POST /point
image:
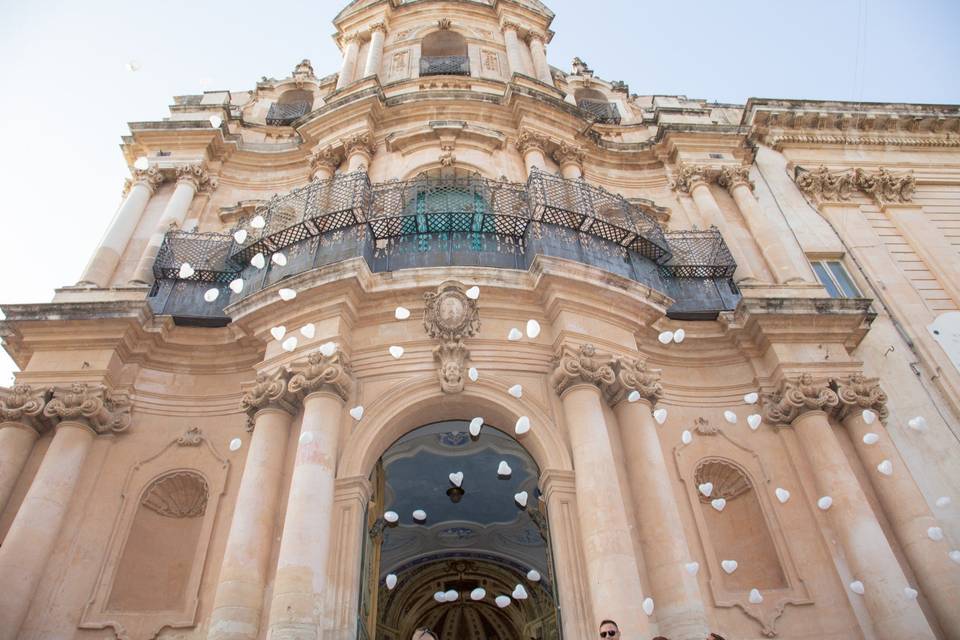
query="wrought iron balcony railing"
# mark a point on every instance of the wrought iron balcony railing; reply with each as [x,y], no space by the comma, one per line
[281,115]
[602,112]
[444,66]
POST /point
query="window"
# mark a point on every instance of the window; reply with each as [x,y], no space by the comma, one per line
[597,105]
[444,53]
[291,105]
[834,277]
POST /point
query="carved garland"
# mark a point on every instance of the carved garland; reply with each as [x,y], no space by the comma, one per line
[883,186]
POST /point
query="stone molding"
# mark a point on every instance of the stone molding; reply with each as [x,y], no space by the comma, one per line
[95,406]
[732,177]
[323,373]
[269,391]
[885,187]
[528,140]
[24,405]
[451,317]
[197,175]
[778,142]
[583,365]
[634,375]
[569,154]
[857,393]
[510,25]
[536,35]
[797,396]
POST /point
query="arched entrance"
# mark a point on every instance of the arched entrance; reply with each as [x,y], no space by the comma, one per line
[475,537]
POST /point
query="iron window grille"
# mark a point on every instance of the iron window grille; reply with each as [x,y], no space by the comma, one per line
[444,66]
[602,112]
[281,115]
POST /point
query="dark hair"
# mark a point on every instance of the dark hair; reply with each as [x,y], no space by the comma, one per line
[610,622]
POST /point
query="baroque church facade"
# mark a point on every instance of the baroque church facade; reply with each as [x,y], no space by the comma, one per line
[453,338]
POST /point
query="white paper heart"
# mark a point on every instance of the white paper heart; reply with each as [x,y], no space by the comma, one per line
[240,236]
[885,467]
[279,259]
[751,398]
[290,344]
[391,581]
[633,396]
[693,568]
[943,501]
[521,498]
[533,575]
[523,426]
[918,423]
[706,488]
[824,503]
[869,416]
[755,597]
[935,534]
[186,271]
[391,516]
[730,417]
[356,413]
[679,336]
[475,426]
[504,469]
[258,222]
[327,349]
[954,555]
[754,420]
[211,294]
[451,596]
[478,594]
[719,504]
[306,437]
[519,593]
[401,313]
[686,437]
[533,329]
[871,438]
[456,479]
[473,374]
[287,294]
[236,285]
[782,495]
[666,337]
[660,415]
[857,587]
[440,597]
[396,352]
[514,335]
[516,391]
[420,515]
[308,331]
[502,601]
[235,444]
[473,293]
[216,121]
[259,261]
[729,565]
[910,593]
[648,606]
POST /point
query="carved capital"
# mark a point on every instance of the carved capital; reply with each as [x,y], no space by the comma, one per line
[886,187]
[528,140]
[23,404]
[324,159]
[536,35]
[690,176]
[378,26]
[271,390]
[857,393]
[797,396]
[360,143]
[451,317]
[95,406]
[634,375]
[196,175]
[583,365]
[732,177]
[323,373]
[150,178]
[822,185]
[349,38]
[510,25]
[569,154]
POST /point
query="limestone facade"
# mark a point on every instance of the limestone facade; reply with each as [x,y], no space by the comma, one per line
[742,378]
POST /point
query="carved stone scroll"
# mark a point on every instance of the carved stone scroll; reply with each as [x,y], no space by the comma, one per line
[583,365]
[23,404]
[796,397]
[858,393]
[323,373]
[634,375]
[269,390]
[95,406]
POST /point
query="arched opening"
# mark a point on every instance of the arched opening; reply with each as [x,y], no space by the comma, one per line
[291,105]
[477,542]
[597,105]
[444,52]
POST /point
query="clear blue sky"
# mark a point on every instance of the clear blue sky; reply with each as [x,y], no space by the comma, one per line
[67,96]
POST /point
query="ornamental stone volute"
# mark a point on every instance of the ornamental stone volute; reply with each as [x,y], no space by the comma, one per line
[95,406]
[583,365]
[732,177]
[528,140]
[270,391]
[323,373]
[821,185]
[23,404]
[360,143]
[324,159]
[634,375]
[196,175]
[796,397]
[858,393]
[690,176]
[885,187]
[451,317]
[569,154]
[151,178]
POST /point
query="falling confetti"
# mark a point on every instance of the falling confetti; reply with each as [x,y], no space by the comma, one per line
[857,587]
[910,593]
[523,426]
[391,516]
[259,261]
[504,470]
[516,391]
[918,423]
[679,336]
[278,332]
[885,467]
[391,582]
[751,398]
[236,285]
[782,495]
[755,597]
[871,438]
[396,352]
[279,259]
[186,271]
[943,501]
[521,499]
[290,344]
[719,504]
[420,515]
[356,413]
[475,426]
[473,374]
[754,421]
[533,575]
[514,335]
[869,416]
[693,568]
[935,534]
[729,565]
[308,331]
[216,121]
[503,601]
[258,222]
[456,479]
[730,417]
[824,503]
[660,415]
[706,488]
[533,329]
[211,294]
[287,294]
[401,313]
[473,293]
[327,349]
[478,594]
[519,593]
[141,163]
[686,437]
[235,444]
[666,337]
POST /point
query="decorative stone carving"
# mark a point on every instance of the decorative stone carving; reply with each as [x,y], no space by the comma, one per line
[179,495]
[95,406]
[689,176]
[529,140]
[536,35]
[580,67]
[858,393]
[450,316]
[151,178]
[728,481]
[885,187]
[619,86]
[822,185]
[444,24]
[323,373]
[447,157]
[303,71]
[270,390]
[634,375]
[324,159]
[197,175]
[378,26]
[583,365]
[704,427]
[509,25]
[731,177]
[360,143]
[569,153]
[192,438]
[23,404]
[796,397]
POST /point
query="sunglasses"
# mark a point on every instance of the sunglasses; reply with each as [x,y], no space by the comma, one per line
[609,634]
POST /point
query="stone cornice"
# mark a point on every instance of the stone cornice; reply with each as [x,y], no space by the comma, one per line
[798,396]
[583,365]
[857,393]
[885,187]
[24,404]
[95,406]
[323,373]
[779,141]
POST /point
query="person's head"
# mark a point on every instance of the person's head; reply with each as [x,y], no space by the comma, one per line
[609,629]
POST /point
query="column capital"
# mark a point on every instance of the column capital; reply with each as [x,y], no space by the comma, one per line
[797,396]
[150,178]
[269,391]
[323,373]
[196,174]
[634,375]
[567,153]
[360,143]
[529,140]
[350,38]
[510,25]
[583,365]
[691,176]
[378,26]
[326,158]
[732,177]
[95,406]
[857,393]
[24,405]
[536,35]
[886,187]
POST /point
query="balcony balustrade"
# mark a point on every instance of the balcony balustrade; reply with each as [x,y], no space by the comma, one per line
[444,66]
[281,115]
[602,112]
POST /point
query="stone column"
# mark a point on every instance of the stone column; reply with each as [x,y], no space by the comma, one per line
[350,53]
[616,591]
[803,403]
[680,612]
[114,243]
[538,54]
[360,151]
[190,179]
[21,419]
[532,146]
[243,573]
[901,499]
[512,40]
[82,412]
[695,180]
[778,248]
[301,580]
[378,32]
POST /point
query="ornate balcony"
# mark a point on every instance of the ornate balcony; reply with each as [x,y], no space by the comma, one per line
[602,112]
[281,115]
[444,66]
[431,222]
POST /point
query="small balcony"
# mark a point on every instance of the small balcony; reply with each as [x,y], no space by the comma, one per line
[444,66]
[282,115]
[602,112]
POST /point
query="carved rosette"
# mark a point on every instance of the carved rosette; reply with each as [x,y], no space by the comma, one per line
[324,159]
[150,178]
[690,176]
[732,177]
[528,140]
[634,375]
[858,393]
[451,317]
[796,397]
[196,175]
[95,406]
[569,154]
[323,373]
[270,391]
[583,365]
[23,404]
[885,187]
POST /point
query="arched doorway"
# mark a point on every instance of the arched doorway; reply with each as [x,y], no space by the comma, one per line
[475,537]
